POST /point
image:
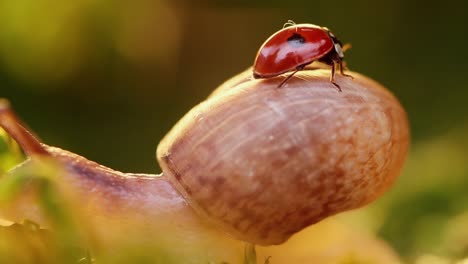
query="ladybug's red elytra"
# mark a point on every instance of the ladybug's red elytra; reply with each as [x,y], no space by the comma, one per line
[296,46]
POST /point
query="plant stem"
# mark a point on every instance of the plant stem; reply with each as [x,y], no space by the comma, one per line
[250,255]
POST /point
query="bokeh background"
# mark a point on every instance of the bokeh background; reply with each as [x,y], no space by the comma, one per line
[107,79]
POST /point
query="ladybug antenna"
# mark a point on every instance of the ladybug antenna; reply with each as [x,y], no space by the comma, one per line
[346,47]
[290,23]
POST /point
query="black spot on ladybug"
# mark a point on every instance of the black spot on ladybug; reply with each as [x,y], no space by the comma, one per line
[296,40]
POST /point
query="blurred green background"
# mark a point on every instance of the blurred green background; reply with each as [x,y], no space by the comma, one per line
[107,79]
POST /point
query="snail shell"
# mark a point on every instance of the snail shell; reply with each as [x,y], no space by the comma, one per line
[264,162]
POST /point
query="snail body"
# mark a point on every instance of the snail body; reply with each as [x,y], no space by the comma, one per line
[257,161]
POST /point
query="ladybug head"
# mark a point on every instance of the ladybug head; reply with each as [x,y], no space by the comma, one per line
[336,43]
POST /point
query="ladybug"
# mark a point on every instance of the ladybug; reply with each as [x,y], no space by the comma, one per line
[296,46]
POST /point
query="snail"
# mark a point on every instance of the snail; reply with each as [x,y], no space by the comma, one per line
[255,161]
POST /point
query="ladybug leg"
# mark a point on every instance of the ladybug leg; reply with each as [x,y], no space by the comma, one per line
[298,68]
[287,78]
[332,76]
[290,23]
[342,67]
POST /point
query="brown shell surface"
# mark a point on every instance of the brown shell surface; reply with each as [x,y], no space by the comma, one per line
[264,162]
